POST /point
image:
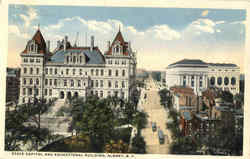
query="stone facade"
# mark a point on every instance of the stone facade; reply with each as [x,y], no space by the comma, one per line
[200,75]
[76,71]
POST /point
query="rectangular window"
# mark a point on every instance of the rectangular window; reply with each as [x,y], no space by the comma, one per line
[46,71]
[67,71]
[37,60]
[123,84]
[101,72]
[30,91]
[97,72]
[37,92]
[45,92]
[92,83]
[101,83]
[80,59]
[24,81]
[74,71]
[109,84]
[116,84]
[55,82]
[79,83]
[92,72]
[96,83]
[31,60]
[65,82]
[50,82]
[31,71]
[101,93]
[50,92]
[123,73]
[110,72]
[55,71]
[116,73]
[80,72]
[50,71]
[37,70]
[24,70]
[46,81]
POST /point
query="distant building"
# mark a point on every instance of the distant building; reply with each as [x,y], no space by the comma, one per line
[199,75]
[12,84]
[71,71]
[183,99]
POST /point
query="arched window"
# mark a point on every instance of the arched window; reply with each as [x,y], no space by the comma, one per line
[226,81]
[219,81]
[233,81]
[212,81]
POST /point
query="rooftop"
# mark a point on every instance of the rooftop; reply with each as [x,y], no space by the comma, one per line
[200,63]
[92,57]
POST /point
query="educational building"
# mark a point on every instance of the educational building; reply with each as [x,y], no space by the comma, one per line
[76,70]
[199,75]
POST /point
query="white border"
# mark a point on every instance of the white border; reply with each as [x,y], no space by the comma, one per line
[124,3]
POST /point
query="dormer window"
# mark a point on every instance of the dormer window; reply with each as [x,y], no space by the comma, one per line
[117,49]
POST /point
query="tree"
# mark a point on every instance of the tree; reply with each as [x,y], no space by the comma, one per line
[97,121]
[116,147]
[24,125]
[239,100]
[165,98]
[138,144]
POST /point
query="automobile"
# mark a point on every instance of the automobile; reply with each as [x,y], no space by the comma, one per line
[161,136]
[154,127]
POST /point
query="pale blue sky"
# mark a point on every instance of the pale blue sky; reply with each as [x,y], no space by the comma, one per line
[170,33]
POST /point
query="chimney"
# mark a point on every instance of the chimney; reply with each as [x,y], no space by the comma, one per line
[48,46]
[65,42]
[92,43]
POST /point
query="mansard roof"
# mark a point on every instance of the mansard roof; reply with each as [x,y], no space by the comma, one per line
[92,57]
[39,40]
[123,43]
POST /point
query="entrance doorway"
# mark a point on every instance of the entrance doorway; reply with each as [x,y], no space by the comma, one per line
[76,95]
[69,95]
[61,95]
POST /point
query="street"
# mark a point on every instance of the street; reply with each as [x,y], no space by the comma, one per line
[156,113]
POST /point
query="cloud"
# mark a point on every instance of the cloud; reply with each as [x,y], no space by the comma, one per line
[14,30]
[163,32]
[29,16]
[239,22]
[205,13]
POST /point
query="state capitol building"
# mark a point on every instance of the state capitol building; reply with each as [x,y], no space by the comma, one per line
[71,71]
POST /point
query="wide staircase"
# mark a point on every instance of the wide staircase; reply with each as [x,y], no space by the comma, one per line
[56,124]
